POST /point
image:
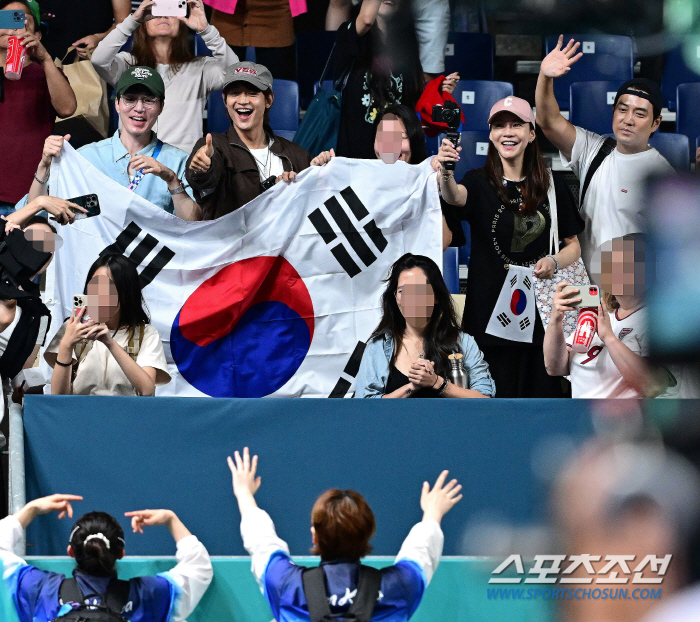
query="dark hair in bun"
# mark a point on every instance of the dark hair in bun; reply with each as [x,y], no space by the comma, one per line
[97,540]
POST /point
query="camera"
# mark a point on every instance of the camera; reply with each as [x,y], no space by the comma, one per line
[451,115]
[268,183]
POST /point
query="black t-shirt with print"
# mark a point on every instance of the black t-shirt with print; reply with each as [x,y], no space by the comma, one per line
[358,113]
[501,236]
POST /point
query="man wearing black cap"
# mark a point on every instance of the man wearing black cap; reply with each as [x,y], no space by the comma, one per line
[134,156]
[228,170]
[612,172]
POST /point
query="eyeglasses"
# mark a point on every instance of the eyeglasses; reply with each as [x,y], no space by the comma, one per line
[149,102]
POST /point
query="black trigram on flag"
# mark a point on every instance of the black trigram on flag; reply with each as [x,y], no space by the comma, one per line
[351,369]
[503,319]
[348,229]
[513,281]
[527,282]
[524,323]
[141,251]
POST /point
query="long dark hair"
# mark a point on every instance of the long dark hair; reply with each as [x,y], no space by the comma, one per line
[126,279]
[414,131]
[536,184]
[441,335]
[144,56]
[400,53]
[95,557]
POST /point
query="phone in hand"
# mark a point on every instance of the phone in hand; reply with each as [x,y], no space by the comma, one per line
[169,8]
[90,202]
[80,301]
[12,20]
[589,295]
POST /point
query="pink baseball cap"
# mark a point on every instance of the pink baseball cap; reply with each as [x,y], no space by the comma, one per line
[519,107]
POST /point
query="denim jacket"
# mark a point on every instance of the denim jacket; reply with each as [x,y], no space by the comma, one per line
[374,368]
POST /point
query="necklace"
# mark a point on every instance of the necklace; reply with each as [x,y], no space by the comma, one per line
[264,172]
[421,354]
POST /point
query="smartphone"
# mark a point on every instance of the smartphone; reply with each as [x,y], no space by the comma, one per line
[169,8]
[589,295]
[80,301]
[12,20]
[90,202]
[30,380]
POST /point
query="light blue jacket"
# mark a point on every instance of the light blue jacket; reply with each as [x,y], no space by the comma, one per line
[374,368]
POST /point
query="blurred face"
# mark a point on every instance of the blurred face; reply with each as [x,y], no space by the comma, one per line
[163,27]
[633,122]
[391,143]
[138,110]
[619,267]
[42,239]
[510,135]
[246,106]
[103,300]
[29,18]
[415,297]
[388,8]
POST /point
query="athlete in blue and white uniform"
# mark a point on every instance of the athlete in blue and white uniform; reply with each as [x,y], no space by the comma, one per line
[97,542]
[280,579]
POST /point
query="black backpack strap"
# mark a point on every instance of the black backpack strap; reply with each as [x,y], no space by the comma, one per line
[70,592]
[605,150]
[314,582]
[117,594]
[368,587]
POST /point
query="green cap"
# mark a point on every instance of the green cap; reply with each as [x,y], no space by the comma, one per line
[34,9]
[142,76]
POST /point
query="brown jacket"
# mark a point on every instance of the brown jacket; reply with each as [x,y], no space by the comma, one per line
[233,178]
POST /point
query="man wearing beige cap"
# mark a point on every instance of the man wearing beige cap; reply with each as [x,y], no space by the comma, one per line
[228,170]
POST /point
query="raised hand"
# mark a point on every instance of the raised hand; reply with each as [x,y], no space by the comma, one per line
[149,518]
[450,83]
[76,329]
[100,332]
[243,472]
[44,505]
[151,166]
[34,47]
[88,44]
[447,153]
[52,148]
[441,499]
[563,301]
[558,62]
[143,13]
[202,159]
[197,20]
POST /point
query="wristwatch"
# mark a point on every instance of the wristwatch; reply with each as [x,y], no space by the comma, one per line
[179,190]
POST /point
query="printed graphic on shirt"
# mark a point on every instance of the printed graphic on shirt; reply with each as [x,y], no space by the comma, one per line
[527,229]
[394,95]
[592,353]
[624,332]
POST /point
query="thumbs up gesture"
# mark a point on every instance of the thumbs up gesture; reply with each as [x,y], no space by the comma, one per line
[202,159]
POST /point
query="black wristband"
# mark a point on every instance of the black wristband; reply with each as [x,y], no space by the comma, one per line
[64,364]
[442,386]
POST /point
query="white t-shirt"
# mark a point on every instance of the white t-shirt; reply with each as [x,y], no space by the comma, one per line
[268,163]
[614,201]
[100,374]
[7,333]
[594,374]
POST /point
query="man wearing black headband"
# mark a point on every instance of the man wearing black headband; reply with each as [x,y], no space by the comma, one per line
[612,172]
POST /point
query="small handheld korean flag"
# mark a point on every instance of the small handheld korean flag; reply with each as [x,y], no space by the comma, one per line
[513,317]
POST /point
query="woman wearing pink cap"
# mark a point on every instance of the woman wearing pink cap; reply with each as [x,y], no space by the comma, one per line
[507,207]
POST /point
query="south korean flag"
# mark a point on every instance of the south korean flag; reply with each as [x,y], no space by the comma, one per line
[513,317]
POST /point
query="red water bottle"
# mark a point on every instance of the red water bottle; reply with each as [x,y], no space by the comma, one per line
[15,59]
[586,328]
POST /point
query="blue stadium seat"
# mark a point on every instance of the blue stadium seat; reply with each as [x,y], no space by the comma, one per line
[313,50]
[473,155]
[284,114]
[590,104]
[200,48]
[687,119]
[674,147]
[605,57]
[476,97]
[450,270]
[289,135]
[676,69]
[471,54]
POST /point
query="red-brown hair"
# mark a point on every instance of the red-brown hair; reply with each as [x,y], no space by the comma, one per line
[344,525]
[536,184]
[142,49]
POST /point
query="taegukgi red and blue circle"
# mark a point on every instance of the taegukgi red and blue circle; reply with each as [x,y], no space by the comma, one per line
[245,331]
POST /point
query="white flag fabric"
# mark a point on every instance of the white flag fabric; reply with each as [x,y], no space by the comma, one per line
[513,316]
[276,298]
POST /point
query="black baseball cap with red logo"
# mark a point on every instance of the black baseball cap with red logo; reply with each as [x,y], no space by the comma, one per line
[257,75]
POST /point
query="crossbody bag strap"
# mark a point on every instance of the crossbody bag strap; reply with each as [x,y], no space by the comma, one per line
[70,592]
[605,150]
[314,583]
[368,587]
[117,594]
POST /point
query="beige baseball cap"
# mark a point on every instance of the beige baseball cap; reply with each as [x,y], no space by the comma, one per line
[519,107]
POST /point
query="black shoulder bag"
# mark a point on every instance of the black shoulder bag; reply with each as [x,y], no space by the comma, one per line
[605,150]
[108,611]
